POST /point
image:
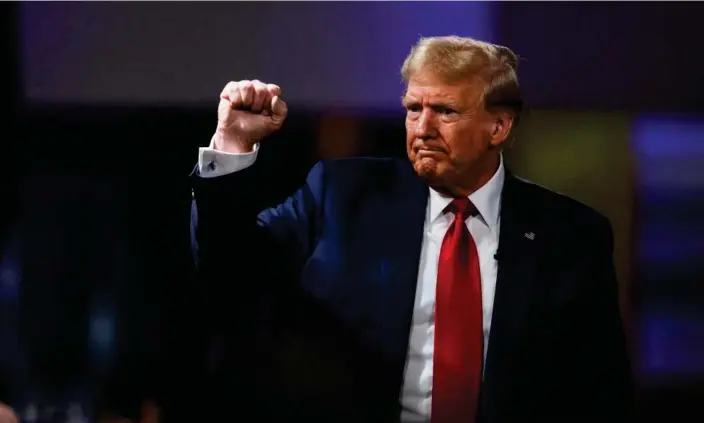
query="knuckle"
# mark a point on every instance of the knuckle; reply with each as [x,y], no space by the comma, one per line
[229,88]
[259,88]
[245,86]
[247,92]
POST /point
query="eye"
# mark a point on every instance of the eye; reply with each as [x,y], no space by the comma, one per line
[444,110]
[413,107]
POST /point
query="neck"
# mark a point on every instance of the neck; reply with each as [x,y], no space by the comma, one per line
[472,179]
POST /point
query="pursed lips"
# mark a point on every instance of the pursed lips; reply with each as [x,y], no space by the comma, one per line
[421,145]
[427,149]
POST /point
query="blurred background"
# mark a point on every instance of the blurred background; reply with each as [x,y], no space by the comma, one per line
[109,103]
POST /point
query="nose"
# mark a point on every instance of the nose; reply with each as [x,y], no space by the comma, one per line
[425,126]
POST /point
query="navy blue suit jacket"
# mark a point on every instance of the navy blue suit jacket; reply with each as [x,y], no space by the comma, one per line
[340,259]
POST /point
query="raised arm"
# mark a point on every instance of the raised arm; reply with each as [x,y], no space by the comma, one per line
[228,225]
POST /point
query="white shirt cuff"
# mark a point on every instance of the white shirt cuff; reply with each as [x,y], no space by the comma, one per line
[213,163]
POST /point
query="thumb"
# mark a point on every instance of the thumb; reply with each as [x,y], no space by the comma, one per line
[279,109]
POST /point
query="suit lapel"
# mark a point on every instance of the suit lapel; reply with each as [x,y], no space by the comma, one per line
[403,216]
[519,246]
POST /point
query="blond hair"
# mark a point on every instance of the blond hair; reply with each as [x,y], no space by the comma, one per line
[454,59]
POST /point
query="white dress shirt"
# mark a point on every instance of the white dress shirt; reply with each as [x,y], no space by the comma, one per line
[416,393]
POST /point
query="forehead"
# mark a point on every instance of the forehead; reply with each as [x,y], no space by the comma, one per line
[427,86]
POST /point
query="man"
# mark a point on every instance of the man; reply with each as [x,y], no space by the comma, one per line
[444,288]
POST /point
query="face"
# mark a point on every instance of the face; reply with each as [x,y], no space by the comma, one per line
[451,139]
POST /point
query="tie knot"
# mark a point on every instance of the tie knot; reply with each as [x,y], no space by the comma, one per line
[463,207]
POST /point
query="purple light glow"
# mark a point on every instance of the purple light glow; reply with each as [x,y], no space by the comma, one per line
[669,152]
[672,343]
[322,54]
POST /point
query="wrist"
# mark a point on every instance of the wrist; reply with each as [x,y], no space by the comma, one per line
[231,144]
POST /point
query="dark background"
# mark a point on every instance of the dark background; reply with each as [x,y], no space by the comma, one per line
[95,194]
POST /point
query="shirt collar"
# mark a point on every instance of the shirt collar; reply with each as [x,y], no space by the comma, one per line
[486,199]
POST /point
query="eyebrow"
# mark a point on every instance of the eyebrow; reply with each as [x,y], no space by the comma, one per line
[434,105]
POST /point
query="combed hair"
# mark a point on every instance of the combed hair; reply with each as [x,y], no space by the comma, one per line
[454,59]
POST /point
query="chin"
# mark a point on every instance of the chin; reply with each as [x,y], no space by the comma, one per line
[426,168]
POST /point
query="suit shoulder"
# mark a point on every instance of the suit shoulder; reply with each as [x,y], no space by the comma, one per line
[359,163]
[565,208]
[359,168]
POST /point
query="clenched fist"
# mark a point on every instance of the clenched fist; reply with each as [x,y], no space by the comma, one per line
[248,112]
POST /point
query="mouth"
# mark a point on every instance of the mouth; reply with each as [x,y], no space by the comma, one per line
[426,151]
[421,147]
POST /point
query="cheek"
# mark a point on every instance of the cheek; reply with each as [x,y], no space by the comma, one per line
[452,139]
[463,138]
[410,129]
[409,138]
[464,146]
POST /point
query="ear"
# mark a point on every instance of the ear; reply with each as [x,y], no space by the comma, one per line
[501,127]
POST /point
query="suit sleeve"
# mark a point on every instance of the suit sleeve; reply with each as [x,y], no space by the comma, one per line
[611,373]
[231,235]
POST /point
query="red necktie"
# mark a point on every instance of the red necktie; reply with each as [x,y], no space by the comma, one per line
[458,353]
